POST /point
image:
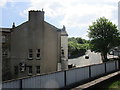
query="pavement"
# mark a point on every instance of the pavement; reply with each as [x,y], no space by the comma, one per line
[94,58]
[96,81]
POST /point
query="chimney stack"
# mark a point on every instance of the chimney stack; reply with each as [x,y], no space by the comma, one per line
[36,15]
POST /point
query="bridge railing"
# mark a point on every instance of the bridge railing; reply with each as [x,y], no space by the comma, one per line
[63,78]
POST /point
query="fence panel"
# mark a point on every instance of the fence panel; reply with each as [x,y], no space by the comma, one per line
[70,76]
[82,74]
[11,84]
[97,70]
[54,80]
[76,75]
[117,62]
[110,66]
[59,80]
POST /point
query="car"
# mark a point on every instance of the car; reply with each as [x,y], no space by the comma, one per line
[111,52]
[86,56]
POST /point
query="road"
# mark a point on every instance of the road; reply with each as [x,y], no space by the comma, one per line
[94,58]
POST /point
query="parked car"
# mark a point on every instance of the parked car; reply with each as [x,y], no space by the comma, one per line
[111,52]
[86,56]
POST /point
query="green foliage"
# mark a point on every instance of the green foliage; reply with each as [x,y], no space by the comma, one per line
[77,46]
[104,36]
[72,39]
[115,84]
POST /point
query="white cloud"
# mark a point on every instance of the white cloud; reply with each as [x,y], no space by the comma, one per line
[111,0]
[85,36]
[24,13]
[3,2]
[76,13]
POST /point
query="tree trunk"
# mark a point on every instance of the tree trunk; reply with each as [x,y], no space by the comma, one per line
[104,56]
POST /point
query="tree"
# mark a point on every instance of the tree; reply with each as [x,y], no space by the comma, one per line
[79,40]
[73,39]
[77,47]
[103,36]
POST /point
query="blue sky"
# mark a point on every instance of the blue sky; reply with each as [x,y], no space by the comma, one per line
[76,15]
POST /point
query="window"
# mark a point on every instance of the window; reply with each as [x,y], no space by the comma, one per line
[62,52]
[21,67]
[3,39]
[29,70]
[37,69]
[4,53]
[15,69]
[38,54]
[30,55]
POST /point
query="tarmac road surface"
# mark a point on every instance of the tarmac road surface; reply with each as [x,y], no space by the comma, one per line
[94,58]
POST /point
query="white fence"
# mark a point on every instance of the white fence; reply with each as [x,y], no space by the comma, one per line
[11,84]
[63,78]
[97,70]
[111,66]
[54,80]
[76,75]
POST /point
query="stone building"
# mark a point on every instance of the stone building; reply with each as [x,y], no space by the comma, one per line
[34,47]
[5,37]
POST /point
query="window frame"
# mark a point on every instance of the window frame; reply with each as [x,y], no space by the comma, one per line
[38,69]
[30,54]
[30,71]
[3,38]
[62,53]
[5,53]
[38,53]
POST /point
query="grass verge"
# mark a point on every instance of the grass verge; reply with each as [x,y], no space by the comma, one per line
[115,84]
